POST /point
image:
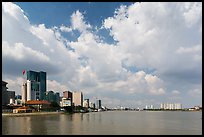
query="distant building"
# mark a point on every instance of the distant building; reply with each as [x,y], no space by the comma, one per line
[65,102]
[11,97]
[171,106]
[24,92]
[178,106]
[35,86]
[151,106]
[8,97]
[86,103]
[77,98]
[98,104]
[18,100]
[57,98]
[52,97]
[18,97]
[39,104]
[68,95]
[92,105]
[4,96]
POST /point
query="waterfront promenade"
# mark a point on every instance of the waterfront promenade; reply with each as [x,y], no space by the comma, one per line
[30,114]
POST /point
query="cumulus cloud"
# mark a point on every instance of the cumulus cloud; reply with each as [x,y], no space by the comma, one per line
[195,93]
[21,52]
[78,23]
[175,92]
[15,84]
[65,29]
[183,50]
[53,85]
[192,13]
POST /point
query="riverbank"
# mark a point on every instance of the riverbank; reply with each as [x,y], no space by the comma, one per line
[30,114]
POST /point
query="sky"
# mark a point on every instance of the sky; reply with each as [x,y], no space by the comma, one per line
[126,54]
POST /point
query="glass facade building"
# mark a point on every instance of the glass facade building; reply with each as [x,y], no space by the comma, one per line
[53,97]
[36,82]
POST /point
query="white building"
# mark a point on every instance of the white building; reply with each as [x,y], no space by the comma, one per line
[65,102]
[86,103]
[77,98]
[171,106]
[24,92]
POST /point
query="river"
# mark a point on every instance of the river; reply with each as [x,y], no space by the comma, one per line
[106,123]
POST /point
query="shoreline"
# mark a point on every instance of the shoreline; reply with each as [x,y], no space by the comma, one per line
[31,114]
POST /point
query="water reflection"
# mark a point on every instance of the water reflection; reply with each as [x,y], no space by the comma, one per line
[99,123]
[65,124]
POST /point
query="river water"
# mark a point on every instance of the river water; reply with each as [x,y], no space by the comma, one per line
[106,123]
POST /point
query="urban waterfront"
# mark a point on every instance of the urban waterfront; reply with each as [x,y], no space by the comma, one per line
[106,123]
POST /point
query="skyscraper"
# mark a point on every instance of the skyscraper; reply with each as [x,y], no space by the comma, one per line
[35,86]
[78,98]
[24,92]
[98,104]
[67,95]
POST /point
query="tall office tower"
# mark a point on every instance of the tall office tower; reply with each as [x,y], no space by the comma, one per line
[77,98]
[68,95]
[98,104]
[24,92]
[36,85]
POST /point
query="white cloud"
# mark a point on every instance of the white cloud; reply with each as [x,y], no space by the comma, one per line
[175,92]
[65,29]
[16,12]
[21,52]
[15,84]
[192,13]
[78,23]
[195,93]
[184,50]
[53,85]
[33,47]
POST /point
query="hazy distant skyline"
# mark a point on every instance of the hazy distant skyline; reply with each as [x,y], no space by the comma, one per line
[128,54]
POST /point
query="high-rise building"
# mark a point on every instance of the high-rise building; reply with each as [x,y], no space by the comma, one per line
[11,97]
[24,92]
[35,86]
[86,103]
[52,97]
[77,98]
[68,95]
[8,97]
[98,104]
[4,96]
[57,98]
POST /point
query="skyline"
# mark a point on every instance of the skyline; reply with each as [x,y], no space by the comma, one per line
[134,54]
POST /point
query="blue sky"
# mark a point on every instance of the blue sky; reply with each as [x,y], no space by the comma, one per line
[129,54]
[57,13]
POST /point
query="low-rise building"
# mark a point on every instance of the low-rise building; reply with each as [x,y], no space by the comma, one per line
[65,102]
